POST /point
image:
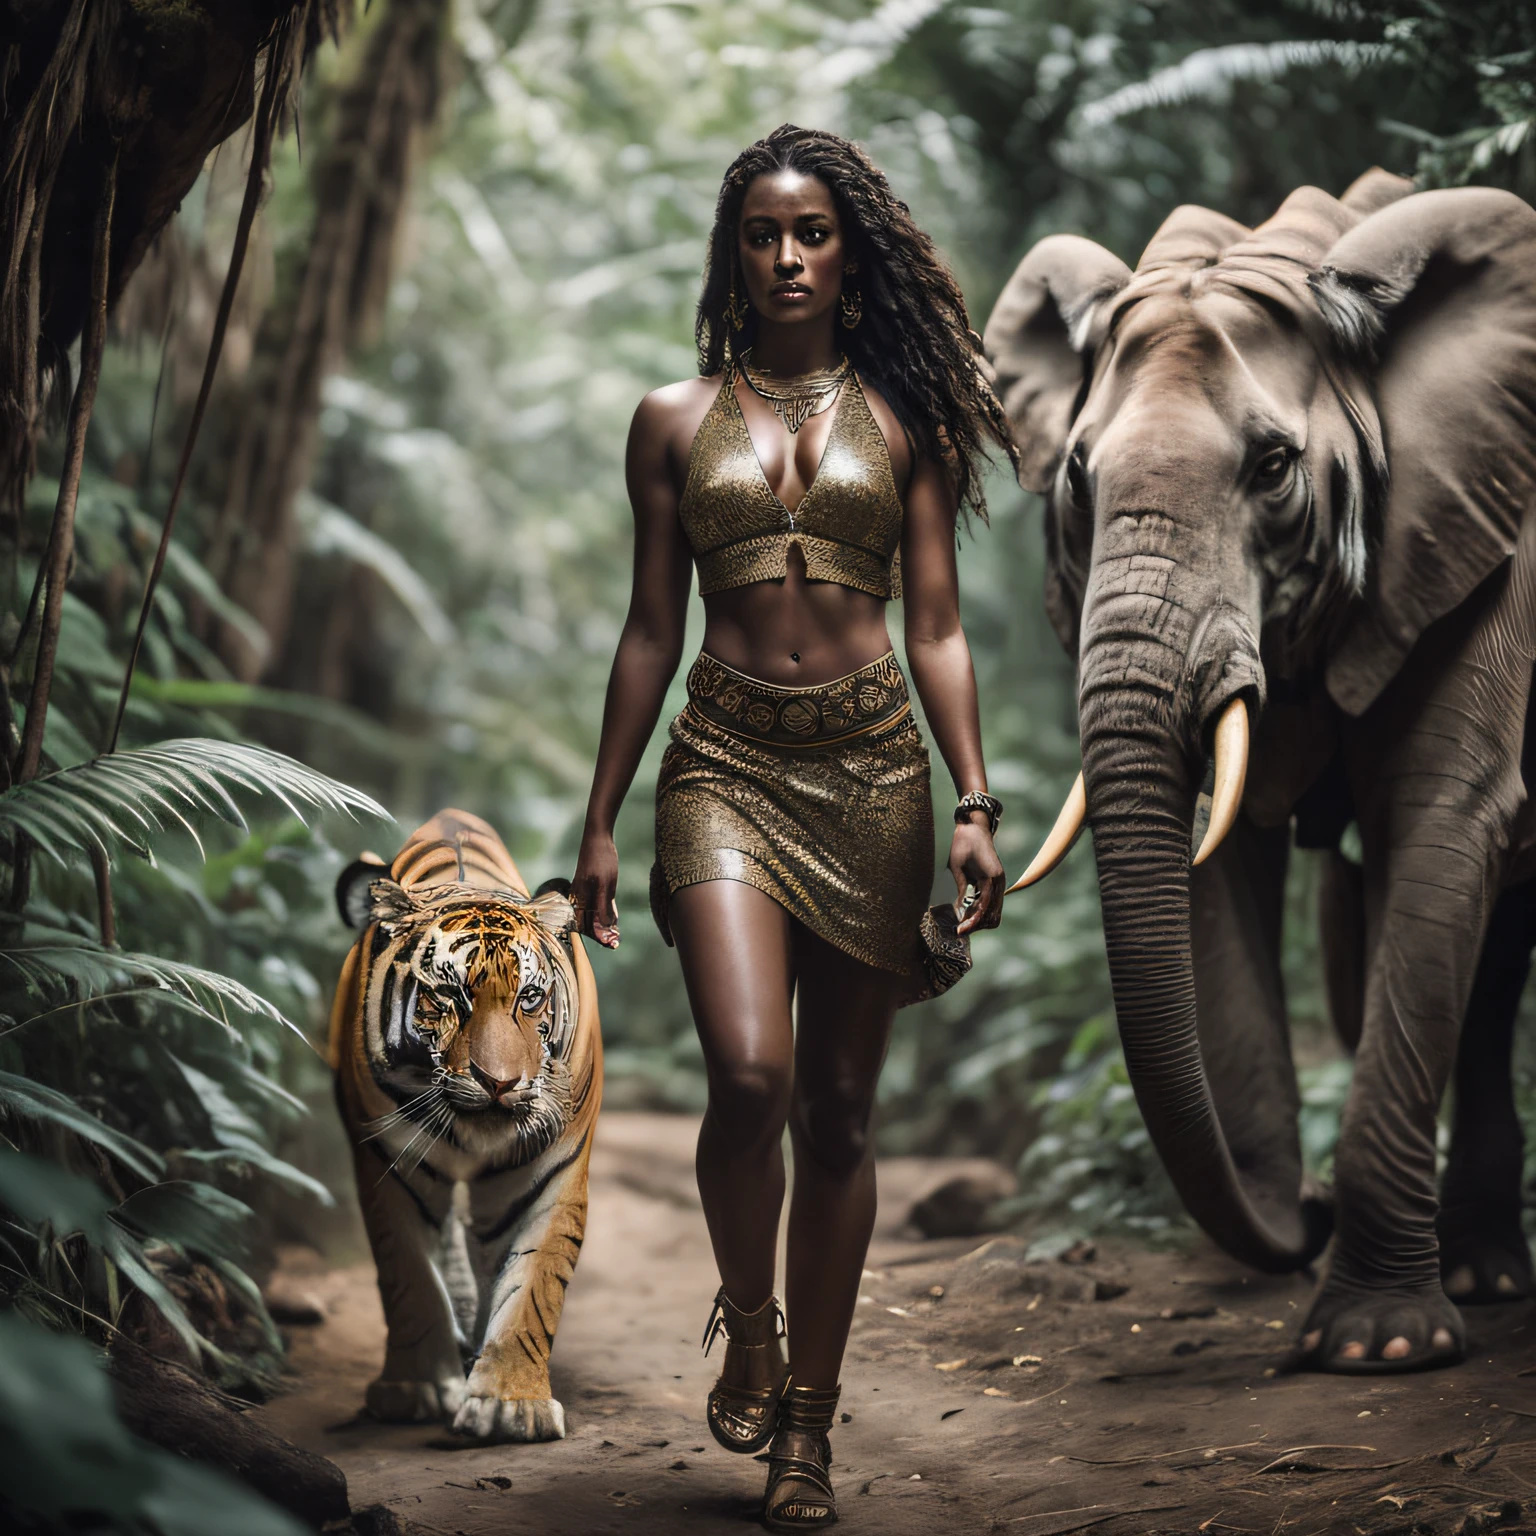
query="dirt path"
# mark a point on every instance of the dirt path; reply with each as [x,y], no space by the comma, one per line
[1152,1410]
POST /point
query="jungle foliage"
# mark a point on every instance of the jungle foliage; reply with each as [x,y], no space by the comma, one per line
[403,558]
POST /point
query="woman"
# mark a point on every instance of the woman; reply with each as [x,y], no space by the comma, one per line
[820,459]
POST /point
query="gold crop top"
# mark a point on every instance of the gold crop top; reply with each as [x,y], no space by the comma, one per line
[847,526]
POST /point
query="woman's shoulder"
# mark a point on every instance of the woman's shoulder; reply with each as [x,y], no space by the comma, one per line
[674,412]
[673,401]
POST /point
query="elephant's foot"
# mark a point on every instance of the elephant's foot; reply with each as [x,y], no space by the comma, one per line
[414,1402]
[1354,1331]
[1484,1257]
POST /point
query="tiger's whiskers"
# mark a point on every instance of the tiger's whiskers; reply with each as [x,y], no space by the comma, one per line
[411,1111]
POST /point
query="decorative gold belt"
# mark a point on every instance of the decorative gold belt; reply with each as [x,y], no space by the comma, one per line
[846,708]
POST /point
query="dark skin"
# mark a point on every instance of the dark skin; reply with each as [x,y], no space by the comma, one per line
[748,965]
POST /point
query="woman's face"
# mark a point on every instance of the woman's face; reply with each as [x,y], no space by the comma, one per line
[791,247]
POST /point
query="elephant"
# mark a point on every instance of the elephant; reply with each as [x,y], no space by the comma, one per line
[1288,474]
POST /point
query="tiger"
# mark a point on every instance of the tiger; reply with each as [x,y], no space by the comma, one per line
[468,1064]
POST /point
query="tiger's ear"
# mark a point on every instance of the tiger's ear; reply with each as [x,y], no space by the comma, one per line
[353,900]
[550,906]
[391,904]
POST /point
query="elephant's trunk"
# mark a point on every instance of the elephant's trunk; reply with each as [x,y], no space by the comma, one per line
[1141,781]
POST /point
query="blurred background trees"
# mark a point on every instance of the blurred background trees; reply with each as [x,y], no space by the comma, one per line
[403,554]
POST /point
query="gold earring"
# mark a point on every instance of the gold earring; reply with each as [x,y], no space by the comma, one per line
[852,303]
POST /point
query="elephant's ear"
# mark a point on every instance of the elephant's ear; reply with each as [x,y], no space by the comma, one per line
[1041,338]
[1440,288]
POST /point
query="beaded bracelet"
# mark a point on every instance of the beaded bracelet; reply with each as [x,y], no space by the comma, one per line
[980,800]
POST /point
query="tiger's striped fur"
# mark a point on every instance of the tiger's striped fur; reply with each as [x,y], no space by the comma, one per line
[469,1070]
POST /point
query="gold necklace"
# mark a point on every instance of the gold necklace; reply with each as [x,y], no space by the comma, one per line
[796,400]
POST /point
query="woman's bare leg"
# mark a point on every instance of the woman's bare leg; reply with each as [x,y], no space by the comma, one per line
[845,1015]
[734,943]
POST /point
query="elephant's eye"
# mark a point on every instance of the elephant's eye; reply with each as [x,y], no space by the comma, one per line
[531,998]
[1272,471]
[1077,479]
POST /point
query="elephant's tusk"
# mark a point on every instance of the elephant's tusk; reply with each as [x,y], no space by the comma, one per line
[1231,774]
[1059,843]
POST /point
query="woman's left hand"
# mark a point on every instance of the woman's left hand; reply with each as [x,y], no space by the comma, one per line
[974,861]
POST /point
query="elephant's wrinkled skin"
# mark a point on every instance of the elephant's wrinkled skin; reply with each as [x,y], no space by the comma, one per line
[1293,466]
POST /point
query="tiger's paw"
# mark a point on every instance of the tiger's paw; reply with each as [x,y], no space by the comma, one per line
[500,1419]
[414,1402]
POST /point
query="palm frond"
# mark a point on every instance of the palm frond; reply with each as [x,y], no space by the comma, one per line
[124,797]
[1209,74]
[86,972]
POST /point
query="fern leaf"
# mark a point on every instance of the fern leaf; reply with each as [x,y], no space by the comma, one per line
[125,797]
[1208,74]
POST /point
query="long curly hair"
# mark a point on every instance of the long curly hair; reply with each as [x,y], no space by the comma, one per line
[914,343]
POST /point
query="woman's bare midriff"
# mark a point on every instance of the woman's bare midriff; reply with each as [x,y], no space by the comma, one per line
[795,633]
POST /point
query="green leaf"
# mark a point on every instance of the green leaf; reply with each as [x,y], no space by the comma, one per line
[41,1193]
[124,1251]
[68,1462]
[197,1218]
[89,971]
[35,1101]
[252,1155]
[123,797]
[240,1136]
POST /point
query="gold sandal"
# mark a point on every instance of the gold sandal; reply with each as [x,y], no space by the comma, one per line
[742,1418]
[799,1496]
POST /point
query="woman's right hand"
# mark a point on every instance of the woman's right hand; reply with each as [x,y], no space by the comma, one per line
[593,888]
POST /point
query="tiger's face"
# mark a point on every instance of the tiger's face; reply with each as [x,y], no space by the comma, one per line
[470,1015]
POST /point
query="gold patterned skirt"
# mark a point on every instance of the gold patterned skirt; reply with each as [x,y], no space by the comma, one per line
[819,798]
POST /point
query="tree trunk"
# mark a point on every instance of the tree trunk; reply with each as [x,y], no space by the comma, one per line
[59,556]
[361,181]
[172,1408]
[88,82]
